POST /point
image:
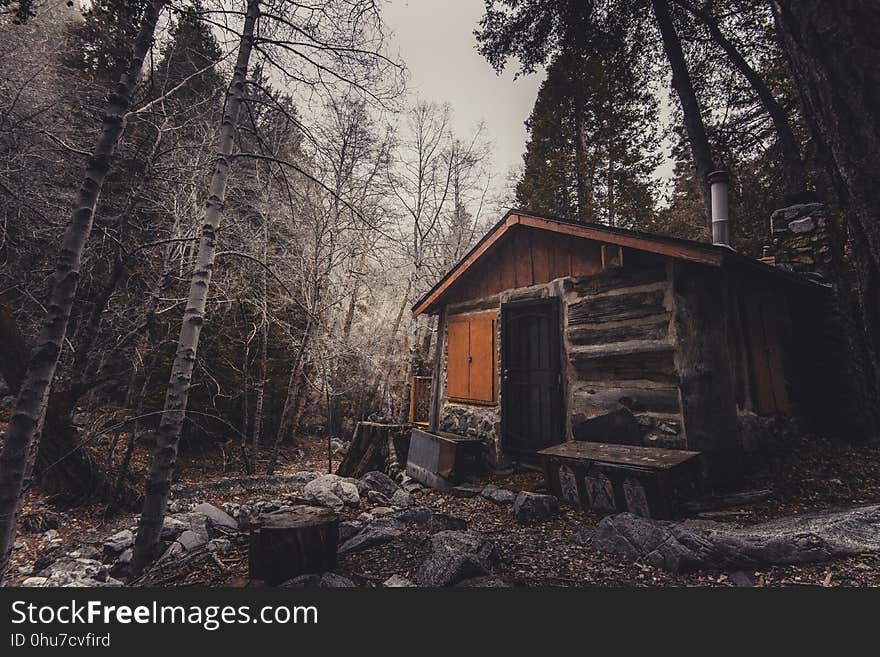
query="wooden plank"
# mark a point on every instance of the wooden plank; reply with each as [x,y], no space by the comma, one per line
[542,255]
[523,257]
[592,400]
[585,257]
[618,279]
[770,311]
[617,307]
[507,264]
[650,365]
[656,328]
[760,366]
[646,457]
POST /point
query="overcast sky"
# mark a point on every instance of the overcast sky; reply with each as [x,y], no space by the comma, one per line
[435,39]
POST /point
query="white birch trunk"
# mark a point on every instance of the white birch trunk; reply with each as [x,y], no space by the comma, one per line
[168,434]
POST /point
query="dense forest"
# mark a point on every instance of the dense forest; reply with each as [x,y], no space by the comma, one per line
[217,214]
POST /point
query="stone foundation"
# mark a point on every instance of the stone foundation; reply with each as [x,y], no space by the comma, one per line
[473,421]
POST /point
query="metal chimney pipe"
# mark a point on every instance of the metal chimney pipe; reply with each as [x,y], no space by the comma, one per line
[720,220]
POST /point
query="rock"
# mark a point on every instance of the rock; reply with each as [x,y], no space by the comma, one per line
[70,570]
[687,545]
[498,495]
[583,536]
[178,506]
[304,477]
[455,556]
[416,515]
[484,582]
[216,517]
[379,481]
[377,532]
[50,535]
[122,567]
[219,545]
[86,552]
[118,542]
[172,527]
[365,518]
[347,529]
[466,490]
[318,580]
[441,521]
[398,581]
[380,511]
[529,508]
[40,521]
[332,491]
[191,540]
[376,497]
[401,499]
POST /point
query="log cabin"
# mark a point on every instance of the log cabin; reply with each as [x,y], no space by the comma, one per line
[547,325]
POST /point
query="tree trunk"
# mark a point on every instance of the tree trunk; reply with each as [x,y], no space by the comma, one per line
[681,82]
[260,393]
[30,407]
[168,434]
[795,175]
[291,543]
[834,56]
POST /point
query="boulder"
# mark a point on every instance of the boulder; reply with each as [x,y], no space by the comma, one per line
[377,532]
[530,508]
[86,552]
[172,527]
[415,515]
[348,528]
[498,495]
[401,499]
[376,497]
[319,581]
[398,581]
[71,569]
[216,517]
[219,545]
[332,491]
[379,481]
[118,542]
[691,545]
[456,556]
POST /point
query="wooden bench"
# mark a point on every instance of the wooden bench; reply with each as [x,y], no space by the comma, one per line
[647,481]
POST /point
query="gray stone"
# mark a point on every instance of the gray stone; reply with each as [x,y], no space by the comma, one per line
[530,508]
[318,581]
[191,540]
[76,569]
[219,545]
[380,511]
[376,533]
[347,529]
[86,552]
[401,499]
[376,497]
[216,517]
[380,482]
[398,581]
[456,556]
[583,536]
[50,535]
[688,545]
[332,491]
[498,495]
[119,541]
[172,527]
[466,490]
[416,515]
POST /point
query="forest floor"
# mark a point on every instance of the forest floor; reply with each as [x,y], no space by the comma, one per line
[808,475]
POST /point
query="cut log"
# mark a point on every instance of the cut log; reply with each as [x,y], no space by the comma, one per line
[375,446]
[290,543]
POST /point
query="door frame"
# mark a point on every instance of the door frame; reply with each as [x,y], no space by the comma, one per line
[555,309]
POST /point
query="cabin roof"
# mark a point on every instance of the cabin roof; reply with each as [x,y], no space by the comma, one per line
[673,247]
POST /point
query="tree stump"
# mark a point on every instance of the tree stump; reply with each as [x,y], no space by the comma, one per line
[290,543]
[375,446]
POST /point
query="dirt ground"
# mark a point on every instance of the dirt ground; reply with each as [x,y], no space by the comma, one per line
[808,474]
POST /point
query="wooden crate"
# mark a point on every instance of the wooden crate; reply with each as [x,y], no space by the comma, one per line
[647,481]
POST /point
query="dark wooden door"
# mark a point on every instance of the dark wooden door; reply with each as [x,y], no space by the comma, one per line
[531,382]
